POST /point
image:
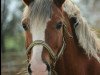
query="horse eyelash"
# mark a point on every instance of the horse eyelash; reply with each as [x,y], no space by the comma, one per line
[58,25]
[25,26]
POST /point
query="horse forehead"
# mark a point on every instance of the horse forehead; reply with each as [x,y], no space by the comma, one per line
[38,29]
[41,25]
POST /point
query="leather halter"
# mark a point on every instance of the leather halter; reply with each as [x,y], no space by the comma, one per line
[54,56]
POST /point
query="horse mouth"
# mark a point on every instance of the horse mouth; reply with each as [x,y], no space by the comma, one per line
[40,73]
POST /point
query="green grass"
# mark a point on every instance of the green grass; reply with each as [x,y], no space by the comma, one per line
[13,43]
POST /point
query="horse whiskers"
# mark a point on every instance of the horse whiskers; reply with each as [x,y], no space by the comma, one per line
[22,71]
[24,62]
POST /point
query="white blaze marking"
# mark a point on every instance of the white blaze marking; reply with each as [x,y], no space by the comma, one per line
[38,33]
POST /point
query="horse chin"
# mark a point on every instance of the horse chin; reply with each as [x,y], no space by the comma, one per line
[40,69]
[40,73]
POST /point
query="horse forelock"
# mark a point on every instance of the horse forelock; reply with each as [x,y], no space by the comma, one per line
[38,9]
[86,37]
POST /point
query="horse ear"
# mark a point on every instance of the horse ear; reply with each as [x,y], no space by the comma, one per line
[27,2]
[59,3]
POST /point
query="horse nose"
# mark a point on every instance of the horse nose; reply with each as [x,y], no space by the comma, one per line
[39,69]
[29,69]
[48,66]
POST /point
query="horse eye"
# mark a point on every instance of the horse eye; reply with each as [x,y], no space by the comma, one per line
[25,26]
[58,25]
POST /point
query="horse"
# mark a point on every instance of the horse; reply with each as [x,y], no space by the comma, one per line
[59,40]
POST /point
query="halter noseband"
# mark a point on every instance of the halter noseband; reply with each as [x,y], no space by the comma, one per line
[49,49]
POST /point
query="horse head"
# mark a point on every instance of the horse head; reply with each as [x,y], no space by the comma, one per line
[44,24]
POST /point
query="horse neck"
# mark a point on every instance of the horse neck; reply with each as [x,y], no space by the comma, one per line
[73,48]
[72,53]
[72,45]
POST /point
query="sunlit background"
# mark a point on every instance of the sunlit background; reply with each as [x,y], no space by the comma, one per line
[12,34]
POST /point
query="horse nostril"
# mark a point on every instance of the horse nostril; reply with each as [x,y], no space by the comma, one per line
[48,66]
[29,69]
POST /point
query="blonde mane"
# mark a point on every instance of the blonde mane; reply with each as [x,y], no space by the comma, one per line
[87,38]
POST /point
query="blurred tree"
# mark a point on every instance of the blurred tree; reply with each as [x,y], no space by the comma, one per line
[3,21]
[11,12]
